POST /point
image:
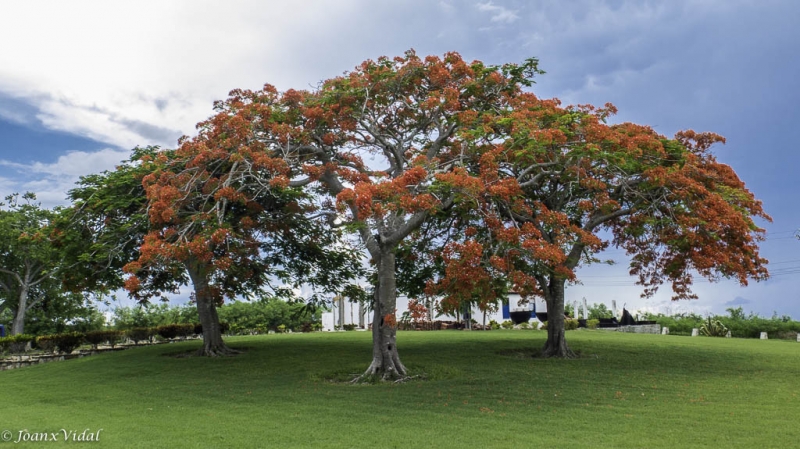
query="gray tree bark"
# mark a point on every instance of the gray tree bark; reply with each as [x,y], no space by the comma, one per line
[26,282]
[386,362]
[556,345]
[18,325]
[213,345]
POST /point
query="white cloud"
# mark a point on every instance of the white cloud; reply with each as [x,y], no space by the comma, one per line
[51,181]
[101,65]
[499,13]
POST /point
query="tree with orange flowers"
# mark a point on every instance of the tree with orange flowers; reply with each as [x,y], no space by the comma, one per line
[385,142]
[222,210]
[559,179]
[412,117]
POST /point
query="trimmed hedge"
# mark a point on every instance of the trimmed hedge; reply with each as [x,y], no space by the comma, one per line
[110,336]
[46,343]
[138,334]
[168,331]
[68,342]
[15,344]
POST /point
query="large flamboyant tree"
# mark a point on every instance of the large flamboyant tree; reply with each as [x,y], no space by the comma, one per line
[386,141]
[564,180]
[412,117]
[222,210]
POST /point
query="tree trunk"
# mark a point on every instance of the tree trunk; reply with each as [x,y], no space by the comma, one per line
[340,303]
[213,346]
[18,325]
[386,362]
[556,345]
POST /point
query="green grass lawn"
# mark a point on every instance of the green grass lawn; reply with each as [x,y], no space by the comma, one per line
[626,390]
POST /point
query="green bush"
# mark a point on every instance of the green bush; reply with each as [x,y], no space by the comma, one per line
[109,336]
[543,326]
[68,342]
[224,327]
[507,324]
[244,317]
[20,343]
[96,338]
[281,328]
[175,330]
[494,325]
[713,328]
[15,344]
[46,343]
[168,331]
[185,330]
[681,324]
[592,324]
[248,316]
[138,334]
[113,337]
[524,326]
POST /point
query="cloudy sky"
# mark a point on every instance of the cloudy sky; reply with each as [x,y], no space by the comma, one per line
[81,83]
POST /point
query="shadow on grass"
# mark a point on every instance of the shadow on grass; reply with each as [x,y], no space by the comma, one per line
[193,353]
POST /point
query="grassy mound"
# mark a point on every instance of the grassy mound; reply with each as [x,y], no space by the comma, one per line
[479,389]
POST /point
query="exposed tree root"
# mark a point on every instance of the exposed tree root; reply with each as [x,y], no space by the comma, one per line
[558,351]
[217,351]
[377,370]
[408,378]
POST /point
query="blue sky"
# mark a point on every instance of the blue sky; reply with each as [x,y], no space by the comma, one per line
[83,83]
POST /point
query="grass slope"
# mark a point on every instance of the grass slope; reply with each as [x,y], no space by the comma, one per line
[627,390]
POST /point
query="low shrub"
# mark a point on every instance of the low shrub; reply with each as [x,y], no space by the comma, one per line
[68,342]
[15,344]
[185,330]
[169,331]
[713,328]
[46,343]
[524,326]
[507,324]
[96,338]
[281,328]
[224,327]
[592,324]
[138,334]
[20,343]
[494,325]
[114,337]
[349,327]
